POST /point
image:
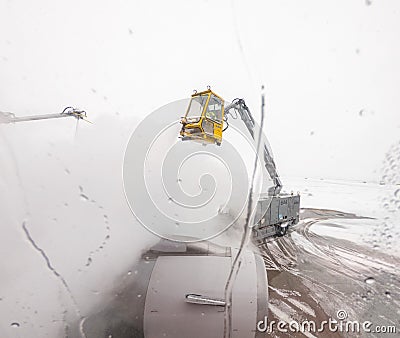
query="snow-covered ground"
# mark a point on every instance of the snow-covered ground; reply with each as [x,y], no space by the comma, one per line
[377,205]
[342,256]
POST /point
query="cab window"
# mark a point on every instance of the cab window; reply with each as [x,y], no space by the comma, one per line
[214,109]
[196,106]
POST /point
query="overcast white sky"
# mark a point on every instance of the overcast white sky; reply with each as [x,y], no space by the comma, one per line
[322,63]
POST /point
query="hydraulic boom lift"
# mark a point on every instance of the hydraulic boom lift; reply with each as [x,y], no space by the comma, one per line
[204,122]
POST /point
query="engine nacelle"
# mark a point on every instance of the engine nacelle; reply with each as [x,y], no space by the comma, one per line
[177,290]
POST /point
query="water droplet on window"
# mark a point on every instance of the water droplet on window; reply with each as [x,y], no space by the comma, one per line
[139,295]
[84,197]
[15,324]
[387,294]
[370,280]
[129,273]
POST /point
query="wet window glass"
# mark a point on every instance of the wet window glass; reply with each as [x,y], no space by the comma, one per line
[196,107]
[214,109]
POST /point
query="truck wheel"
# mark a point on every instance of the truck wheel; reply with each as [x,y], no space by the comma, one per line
[281,231]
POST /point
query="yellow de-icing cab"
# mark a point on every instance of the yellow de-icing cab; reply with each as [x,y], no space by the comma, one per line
[204,118]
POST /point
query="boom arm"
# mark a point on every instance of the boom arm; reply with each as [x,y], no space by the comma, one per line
[240,106]
[67,112]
